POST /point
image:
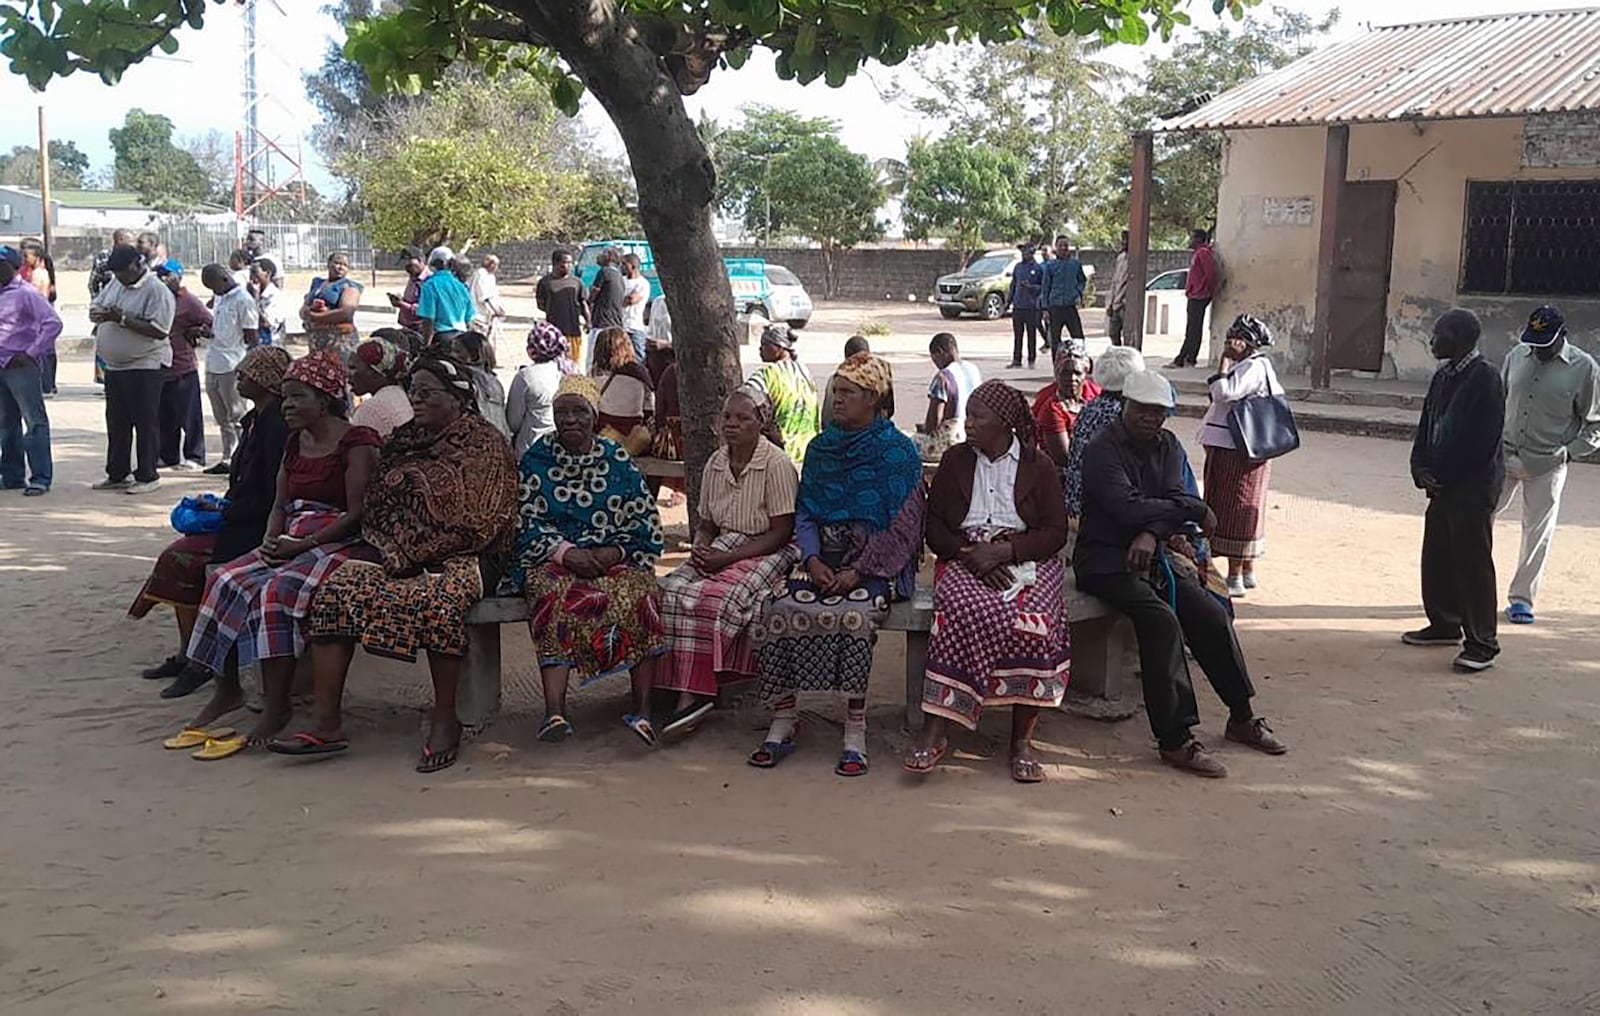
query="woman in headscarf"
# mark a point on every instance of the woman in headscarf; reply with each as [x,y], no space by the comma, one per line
[179,576]
[1057,406]
[1111,370]
[531,401]
[329,309]
[378,370]
[443,496]
[1236,485]
[858,525]
[741,553]
[996,521]
[587,542]
[259,607]
[789,387]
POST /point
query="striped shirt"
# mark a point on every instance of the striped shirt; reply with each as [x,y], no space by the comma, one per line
[748,504]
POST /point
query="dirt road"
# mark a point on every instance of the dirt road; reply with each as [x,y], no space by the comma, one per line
[1429,845]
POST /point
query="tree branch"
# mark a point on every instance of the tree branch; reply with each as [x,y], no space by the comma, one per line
[504,30]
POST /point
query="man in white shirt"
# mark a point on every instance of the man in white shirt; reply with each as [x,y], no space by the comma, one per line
[487,309]
[235,316]
[1552,417]
[635,294]
[132,315]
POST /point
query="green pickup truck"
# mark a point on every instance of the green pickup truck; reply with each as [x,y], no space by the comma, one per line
[982,288]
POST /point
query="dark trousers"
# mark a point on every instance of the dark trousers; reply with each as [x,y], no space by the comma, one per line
[47,369]
[1114,321]
[1458,583]
[1194,331]
[1202,622]
[24,427]
[181,421]
[1064,317]
[133,423]
[1024,319]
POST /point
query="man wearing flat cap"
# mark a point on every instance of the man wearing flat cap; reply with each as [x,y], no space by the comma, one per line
[1552,417]
[132,316]
[1133,552]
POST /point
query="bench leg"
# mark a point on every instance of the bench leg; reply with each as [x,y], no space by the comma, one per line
[478,698]
[1104,664]
[916,670]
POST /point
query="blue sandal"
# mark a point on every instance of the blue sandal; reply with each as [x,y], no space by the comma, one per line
[771,753]
[1519,613]
[641,725]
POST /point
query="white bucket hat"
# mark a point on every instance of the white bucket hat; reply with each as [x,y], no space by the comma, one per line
[1148,388]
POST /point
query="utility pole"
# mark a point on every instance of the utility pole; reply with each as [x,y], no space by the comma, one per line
[44,183]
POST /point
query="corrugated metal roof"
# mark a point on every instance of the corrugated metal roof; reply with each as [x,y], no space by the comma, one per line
[1501,65]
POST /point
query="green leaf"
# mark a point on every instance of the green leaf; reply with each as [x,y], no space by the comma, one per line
[566,93]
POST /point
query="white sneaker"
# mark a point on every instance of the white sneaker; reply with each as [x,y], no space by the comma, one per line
[143,486]
[1236,588]
[189,466]
[112,485]
[1250,580]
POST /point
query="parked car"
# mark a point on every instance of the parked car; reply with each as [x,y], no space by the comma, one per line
[982,288]
[747,276]
[1166,309]
[787,299]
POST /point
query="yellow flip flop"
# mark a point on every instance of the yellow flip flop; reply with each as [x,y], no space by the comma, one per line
[194,737]
[221,747]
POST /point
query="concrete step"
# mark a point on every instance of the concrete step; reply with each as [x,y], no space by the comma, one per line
[1374,395]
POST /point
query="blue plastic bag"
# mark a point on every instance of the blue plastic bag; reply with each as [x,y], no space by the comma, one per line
[196,515]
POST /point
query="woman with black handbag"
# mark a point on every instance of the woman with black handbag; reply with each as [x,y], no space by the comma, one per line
[1236,474]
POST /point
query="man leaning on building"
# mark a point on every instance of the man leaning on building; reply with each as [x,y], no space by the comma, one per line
[1552,417]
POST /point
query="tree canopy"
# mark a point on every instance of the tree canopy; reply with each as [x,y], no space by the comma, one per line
[148,163]
[68,165]
[966,192]
[828,194]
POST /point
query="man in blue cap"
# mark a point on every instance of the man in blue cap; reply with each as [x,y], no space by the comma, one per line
[1552,416]
[29,327]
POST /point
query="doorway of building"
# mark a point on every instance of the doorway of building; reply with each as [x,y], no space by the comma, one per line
[1365,244]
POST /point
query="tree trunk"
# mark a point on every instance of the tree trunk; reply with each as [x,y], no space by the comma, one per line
[677,182]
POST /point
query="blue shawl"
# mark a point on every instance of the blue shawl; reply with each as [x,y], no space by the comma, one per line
[859,475]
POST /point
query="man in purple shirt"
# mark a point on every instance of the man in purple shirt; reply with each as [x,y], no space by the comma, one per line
[28,330]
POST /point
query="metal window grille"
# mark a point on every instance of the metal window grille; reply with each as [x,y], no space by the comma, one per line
[1532,238]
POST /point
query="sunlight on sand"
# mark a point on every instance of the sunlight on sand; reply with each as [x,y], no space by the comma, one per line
[817,1005]
[219,940]
[407,962]
[478,836]
[1039,887]
[847,917]
[1537,734]
[1535,869]
[712,852]
[1156,958]
[1038,834]
[225,991]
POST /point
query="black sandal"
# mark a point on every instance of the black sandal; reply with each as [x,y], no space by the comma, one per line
[432,761]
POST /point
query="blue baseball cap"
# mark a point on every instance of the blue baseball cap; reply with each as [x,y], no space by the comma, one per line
[1545,326]
[171,266]
[11,256]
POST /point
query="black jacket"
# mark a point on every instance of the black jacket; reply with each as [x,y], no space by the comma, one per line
[1129,489]
[1458,437]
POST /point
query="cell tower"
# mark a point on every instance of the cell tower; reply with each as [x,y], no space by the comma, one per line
[264,167]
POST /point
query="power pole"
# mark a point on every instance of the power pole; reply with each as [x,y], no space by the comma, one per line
[44,183]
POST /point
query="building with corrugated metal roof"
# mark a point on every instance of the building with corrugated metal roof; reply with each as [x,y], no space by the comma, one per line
[1377,182]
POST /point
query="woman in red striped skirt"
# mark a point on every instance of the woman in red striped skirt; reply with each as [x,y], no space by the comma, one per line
[1235,485]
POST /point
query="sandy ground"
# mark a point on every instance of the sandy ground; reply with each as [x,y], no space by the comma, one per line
[1428,846]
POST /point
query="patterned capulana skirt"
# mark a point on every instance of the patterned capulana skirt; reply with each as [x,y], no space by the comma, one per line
[806,641]
[599,627]
[985,650]
[708,617]
[1236,490]
[399,617]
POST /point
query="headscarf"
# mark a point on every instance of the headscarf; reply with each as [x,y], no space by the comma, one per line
[266,366]
[583,387]
[759,399]
[778,335]
[870,372]
[322,371]
[383,356]
[457,378]
[1253,331]
[859,475]
[545,342]
[1009,405]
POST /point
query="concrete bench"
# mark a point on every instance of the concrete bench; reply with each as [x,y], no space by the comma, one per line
[1103,651]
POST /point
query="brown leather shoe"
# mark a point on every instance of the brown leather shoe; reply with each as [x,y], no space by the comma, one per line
[1193,758]
[1257,734]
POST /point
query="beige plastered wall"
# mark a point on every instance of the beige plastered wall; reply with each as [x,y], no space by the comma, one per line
[1272,266]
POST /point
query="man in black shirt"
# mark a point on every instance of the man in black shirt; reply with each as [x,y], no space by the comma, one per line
[1456,458]
[560,295]
[1135,516]
[606,296]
